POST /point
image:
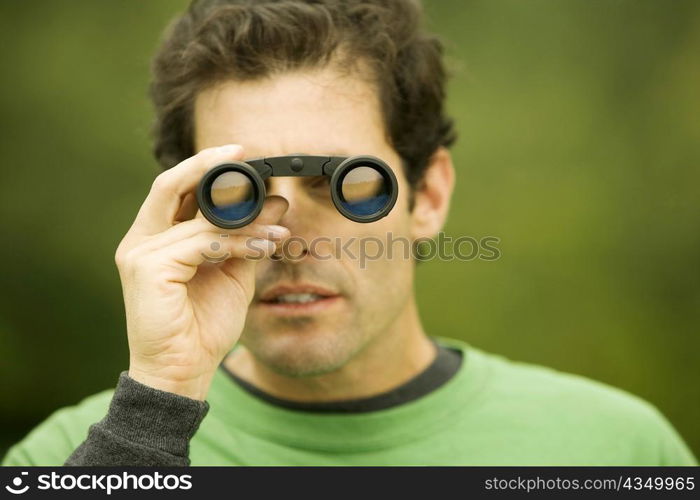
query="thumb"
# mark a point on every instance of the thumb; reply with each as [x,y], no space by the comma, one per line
[273,209]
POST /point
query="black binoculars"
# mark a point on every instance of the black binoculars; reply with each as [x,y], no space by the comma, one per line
[363,188]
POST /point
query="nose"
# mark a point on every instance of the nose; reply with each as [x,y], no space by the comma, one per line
[281,186]
[289,189]
[298,217]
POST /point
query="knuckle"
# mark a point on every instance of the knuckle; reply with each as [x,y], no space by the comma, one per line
[120,254]
[119,258]
[163,182]
[130,259]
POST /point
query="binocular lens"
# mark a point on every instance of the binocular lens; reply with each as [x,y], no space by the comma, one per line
[233,196]
[364,191]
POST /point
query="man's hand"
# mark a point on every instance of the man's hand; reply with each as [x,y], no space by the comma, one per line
[185,312]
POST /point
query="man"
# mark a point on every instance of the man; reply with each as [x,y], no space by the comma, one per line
[304,359]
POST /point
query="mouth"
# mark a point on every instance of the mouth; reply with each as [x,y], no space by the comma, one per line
[298,299]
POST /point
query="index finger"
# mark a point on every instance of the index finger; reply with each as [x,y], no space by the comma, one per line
[161,206]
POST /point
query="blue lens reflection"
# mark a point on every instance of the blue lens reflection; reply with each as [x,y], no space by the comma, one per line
[236,211]
[364,191]
[233,196]
[367,207]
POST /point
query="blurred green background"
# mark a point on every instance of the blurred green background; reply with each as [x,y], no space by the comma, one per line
[579,148]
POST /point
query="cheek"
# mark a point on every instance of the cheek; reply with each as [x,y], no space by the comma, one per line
[382,284]
[380,259]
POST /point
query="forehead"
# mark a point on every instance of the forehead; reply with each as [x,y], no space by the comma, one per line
[314,112]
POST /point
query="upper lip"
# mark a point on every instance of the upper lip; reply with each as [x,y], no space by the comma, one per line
[285,288]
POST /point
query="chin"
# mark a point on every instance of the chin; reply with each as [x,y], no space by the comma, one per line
[302,352]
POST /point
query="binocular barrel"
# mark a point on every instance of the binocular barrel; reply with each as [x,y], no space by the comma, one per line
[363,188]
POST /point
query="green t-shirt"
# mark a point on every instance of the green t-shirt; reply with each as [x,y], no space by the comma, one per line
[494,411]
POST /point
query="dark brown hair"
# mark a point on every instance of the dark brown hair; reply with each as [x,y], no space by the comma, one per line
[215,40]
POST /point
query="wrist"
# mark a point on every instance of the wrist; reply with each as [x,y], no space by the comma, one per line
[194,387]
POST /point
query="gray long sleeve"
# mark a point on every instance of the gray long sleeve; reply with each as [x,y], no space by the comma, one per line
[143,426]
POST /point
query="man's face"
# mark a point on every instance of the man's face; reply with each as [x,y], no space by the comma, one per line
[322,113]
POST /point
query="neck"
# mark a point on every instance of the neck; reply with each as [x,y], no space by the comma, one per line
[392,358]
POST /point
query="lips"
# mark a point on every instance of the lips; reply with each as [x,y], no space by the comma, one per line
[298,299]
[300,293]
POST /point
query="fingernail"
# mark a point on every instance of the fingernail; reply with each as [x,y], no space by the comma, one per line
[276,232]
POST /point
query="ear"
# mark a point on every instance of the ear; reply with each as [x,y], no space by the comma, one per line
[432,195]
